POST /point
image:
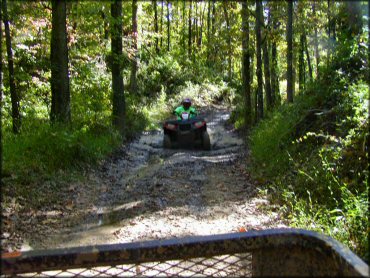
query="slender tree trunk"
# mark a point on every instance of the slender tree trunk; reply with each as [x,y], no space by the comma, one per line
[195,24]
[119,109]
[189,26]
[310,70]
[168,27]
[290,52]
[274,60]
[213,24]
[333,27]
[266,67]
[105,24]
[60,102]
[13,91]
[246,66]
[1,105]
[161,42]
[259,20]
[316,42]
[208,31]
[184,26]
[156,25]
[301,64]
[133,81]
[329,33]
[229,53]
[200,40]
[274,75]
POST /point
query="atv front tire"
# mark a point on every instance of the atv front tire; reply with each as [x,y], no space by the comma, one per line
[206,142]
[167,142]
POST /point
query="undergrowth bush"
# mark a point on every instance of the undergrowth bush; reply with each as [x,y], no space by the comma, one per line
[43,150]
[313,157]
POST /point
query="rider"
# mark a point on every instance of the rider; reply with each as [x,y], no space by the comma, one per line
[185,108]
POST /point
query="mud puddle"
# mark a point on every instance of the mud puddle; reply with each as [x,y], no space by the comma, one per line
[146,192]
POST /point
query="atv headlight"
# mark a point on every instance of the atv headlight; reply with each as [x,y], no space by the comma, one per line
[199,124]
[171,126]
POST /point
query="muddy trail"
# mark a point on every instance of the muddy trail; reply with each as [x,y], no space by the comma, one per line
[145,192]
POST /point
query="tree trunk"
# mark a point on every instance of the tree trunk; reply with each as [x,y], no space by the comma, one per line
[266,67]
[310,71]
[168,27]
[1,101]
[184,26]
[189,26]
[195,24]
[275,70]
[133,80]
[246,66]
[16,118]
[301,64]
[119,109]
[105,24]
[156,26]
[162,24]
[259,18]
[316,42]
[200,39]
[208,31]
[60,102]
[213,24]
[290,52]
[329,34]
[229,53]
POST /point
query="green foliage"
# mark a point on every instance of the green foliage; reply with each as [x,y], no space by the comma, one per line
[313,154]
[42,159]
[161,71]
[46,149]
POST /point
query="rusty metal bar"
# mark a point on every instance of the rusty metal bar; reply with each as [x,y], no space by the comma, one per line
[280,252]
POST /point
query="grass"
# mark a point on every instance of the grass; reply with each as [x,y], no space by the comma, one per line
[45,158]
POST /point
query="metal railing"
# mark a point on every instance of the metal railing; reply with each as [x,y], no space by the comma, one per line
[276,252]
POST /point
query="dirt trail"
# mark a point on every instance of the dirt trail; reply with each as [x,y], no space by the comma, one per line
[146,192]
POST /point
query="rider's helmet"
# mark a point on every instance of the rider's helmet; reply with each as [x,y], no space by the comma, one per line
[186,103]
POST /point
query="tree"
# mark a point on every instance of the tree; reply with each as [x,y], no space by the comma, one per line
[60,102]
[162,7]
[266,67]
[246,65]
[229,53]
[259,22]
[316,41]
[1,103]
[274,57]
[189,26]
[168,27]
[133,81]
[310,70]
[13,92]
[156,25]
[119,109]
[290,52]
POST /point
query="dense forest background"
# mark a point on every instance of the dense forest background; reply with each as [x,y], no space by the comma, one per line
[80,77]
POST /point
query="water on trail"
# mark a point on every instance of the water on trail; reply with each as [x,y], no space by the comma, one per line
[145,192]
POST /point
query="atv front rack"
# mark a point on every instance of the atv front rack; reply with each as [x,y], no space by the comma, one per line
[276,252]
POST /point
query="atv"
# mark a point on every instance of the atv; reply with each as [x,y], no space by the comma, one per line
[186,132]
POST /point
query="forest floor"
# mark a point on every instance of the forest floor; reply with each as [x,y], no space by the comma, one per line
[145,192]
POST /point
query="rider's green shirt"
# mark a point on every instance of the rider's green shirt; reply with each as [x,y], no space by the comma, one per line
[181,109]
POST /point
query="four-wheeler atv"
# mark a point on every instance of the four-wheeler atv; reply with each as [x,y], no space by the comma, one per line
[186,132]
